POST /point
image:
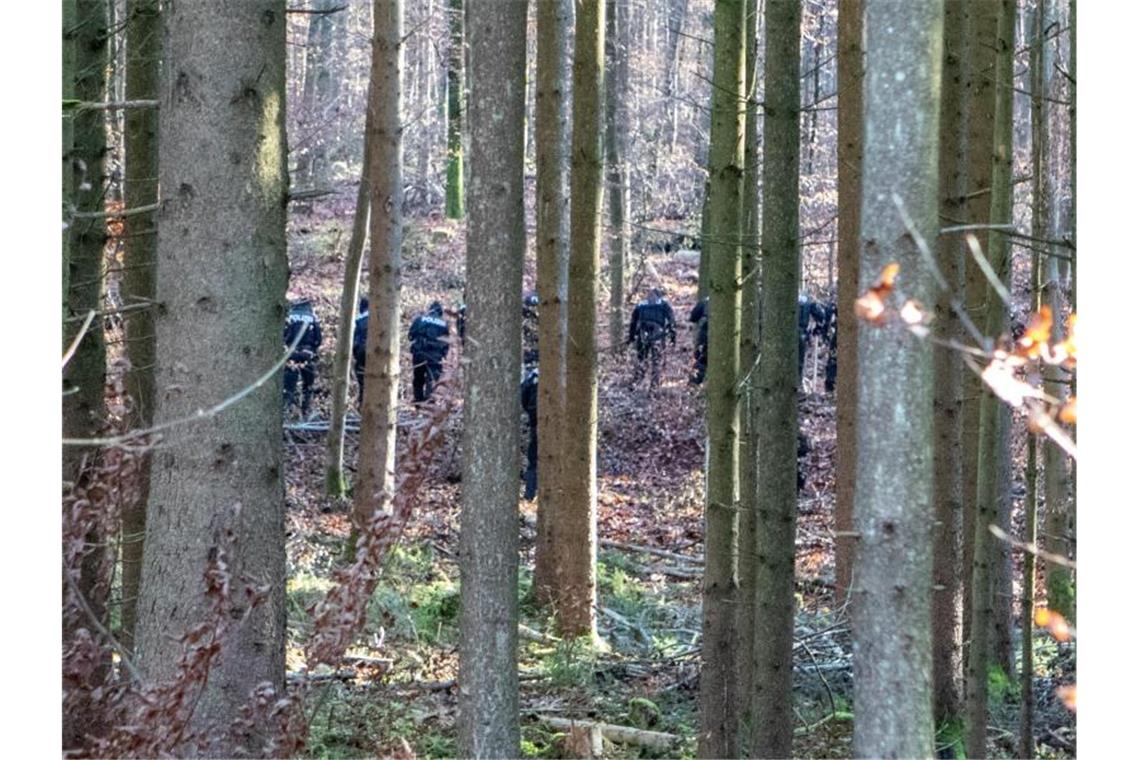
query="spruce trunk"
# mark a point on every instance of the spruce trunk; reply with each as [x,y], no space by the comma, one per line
[576,531]
[778,386]
[216,491]
[891,594]
[489,522]
[376,461]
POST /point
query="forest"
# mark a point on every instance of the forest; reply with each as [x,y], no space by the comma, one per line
[568,378]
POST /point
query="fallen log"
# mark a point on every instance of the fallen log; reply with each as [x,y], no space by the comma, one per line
[615,733]
[610,543]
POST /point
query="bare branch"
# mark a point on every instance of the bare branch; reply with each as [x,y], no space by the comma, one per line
[117,214]
[75,343]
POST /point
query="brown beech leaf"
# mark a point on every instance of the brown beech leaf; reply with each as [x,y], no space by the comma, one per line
[1068,413]
[871,306]
[1068,696]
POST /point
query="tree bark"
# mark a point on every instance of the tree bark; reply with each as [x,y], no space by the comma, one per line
[891,595]
[455,206]
[994,421]
[83,377]
[776,518]
[750,398]
[850,158]
[376,463]
[617,182]
[222,276]
[336,484]
[981,42]
[551,223]
[140,189]
[719,699]
[576,531]
[946,612]
[496,242]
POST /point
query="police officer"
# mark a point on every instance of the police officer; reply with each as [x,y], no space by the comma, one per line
[530,323]
[699,316]
[651,323]
[428,339]
[829,333]
[359,346]
[809,310]
[302,363]
[529,395]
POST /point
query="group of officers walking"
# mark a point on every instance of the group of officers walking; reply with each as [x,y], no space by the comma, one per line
[429,338]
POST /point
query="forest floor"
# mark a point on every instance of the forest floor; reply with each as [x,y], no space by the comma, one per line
[395,694]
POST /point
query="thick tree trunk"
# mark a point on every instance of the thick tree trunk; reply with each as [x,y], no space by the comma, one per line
[719,698]
[750,398]
[617,182]
[496,242]
[576,531]
[376,463]
[850,76]
[140,188]
[891,595]
[676,23]
[320,86]
[946,612]
[988,600]
[776,518]
[551,223]
[336,484]
[68,145]
[222,276]
[981,35]
[455,194]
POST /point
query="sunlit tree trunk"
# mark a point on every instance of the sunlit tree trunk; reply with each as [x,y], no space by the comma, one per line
[720,700]
[376,462]
[617,182]
[749,398]
[222,275]
[576,530]
[890,591]
[552,221]
[496,242]
[776,516]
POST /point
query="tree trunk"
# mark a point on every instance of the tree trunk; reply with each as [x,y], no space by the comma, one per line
[1027,744]
[1060,518]
[719,699]
[336,484]
[376,463]
[850,159]
[776,517]
[140,188]
[993,439]
[946,613]
[891,595]
[750,400]
[496,242]
[680,10]
[617,85]
[319,91]
[981,42]
[551,223]
[68,135]
[222,276]
[455,193]
[83,378]
[576,529]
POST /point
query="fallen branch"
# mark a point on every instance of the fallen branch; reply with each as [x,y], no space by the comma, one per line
[530,634]
[611,544]
[672,572]
[624,734]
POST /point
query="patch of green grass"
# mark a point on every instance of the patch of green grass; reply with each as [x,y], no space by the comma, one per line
[571,664]
[952,734]
[354,724]
[998,686]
